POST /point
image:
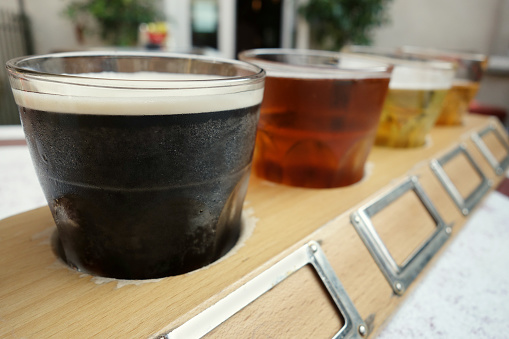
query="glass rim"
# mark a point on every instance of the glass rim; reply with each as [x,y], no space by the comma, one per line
[396,57]
[438,53]
[378,69]
[257,75]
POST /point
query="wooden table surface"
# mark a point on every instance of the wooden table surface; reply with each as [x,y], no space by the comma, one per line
[41,297]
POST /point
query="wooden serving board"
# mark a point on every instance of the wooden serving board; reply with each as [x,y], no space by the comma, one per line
[41,297]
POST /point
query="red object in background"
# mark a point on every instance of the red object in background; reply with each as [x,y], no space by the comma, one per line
[478,108]
[156,38]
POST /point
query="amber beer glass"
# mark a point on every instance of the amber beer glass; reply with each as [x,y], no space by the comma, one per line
[417,91]
[144,158]
[469,70]
[318,117]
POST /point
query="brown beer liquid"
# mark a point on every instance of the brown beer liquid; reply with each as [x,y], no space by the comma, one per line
[317,132]
[456,102]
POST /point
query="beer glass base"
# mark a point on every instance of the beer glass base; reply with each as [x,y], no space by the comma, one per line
[246,227]
[313,178]
[450,119]
[450,123]
[334,163]
[401,143]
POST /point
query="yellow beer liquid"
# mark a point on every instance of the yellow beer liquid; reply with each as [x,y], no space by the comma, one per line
[408,115]
[456,102]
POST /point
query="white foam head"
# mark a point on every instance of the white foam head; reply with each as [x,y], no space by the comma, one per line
[311,64]
[421,78]
[409,73]
[141,93]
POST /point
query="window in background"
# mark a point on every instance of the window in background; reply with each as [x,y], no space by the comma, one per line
[204,23]
[258,24]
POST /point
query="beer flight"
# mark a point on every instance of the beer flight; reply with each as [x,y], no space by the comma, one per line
[323,111]
[144,158]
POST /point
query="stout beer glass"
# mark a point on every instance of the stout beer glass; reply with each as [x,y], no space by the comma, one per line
[469,70]
[416,95]
[318,117]
[144,158]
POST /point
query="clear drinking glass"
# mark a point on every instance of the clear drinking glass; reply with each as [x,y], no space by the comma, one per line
[318,117]
[144,158]
[469,70]
[416,95]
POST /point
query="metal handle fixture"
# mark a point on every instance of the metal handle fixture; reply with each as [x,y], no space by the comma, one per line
[465,205]
[312,254]
[399,276]
[498,167]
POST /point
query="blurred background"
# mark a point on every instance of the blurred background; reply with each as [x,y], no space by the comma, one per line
[226,27]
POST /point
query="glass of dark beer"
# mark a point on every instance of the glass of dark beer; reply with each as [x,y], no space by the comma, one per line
[319,116]
[144,158]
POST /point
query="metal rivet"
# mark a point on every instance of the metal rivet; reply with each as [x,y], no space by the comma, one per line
[415,180]
[314,248]
[448,230]
[357,219]
[398,287]
[362,330]
[465,211]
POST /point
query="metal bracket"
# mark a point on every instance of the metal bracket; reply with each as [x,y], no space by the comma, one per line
[311,253]
[467,204]
[498,167]
[400,277]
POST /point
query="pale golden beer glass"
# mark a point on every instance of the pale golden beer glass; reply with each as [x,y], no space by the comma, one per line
[469,71]
[417,91]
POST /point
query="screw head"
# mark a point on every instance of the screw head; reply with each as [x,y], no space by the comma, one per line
[448,230]
[314,248]
[357,219]
[465,211]
[398,287]
[362,330]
